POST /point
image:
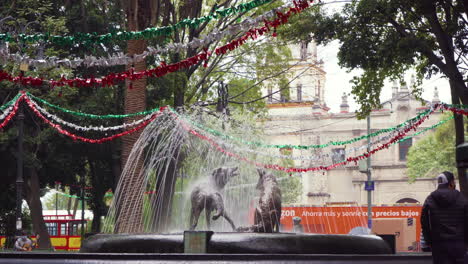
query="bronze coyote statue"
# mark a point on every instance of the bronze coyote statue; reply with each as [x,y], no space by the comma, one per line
[207,196]
[268,212]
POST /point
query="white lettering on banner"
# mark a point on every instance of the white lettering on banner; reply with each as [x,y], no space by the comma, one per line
[305,213]
[409,213]
[288,213]
[387,213]
[336,213]
[352,213]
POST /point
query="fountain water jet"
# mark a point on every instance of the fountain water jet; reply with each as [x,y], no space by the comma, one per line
[173,164]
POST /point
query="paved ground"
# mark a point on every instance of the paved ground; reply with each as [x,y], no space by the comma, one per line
[80,258]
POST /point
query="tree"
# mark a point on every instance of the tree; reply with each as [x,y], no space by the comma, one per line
[434,153]
[386,38]
[48,157]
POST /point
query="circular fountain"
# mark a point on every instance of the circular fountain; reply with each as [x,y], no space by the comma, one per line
[239,243]
[177,161]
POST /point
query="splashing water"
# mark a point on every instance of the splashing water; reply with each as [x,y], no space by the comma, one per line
[168,161]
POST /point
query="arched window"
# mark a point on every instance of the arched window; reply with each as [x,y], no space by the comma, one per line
[407,200]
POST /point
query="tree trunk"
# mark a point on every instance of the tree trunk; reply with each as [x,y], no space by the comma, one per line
[34,203]
[75,206]
[459,139]
[162,214]
[131,212]
[69,203]
[97,214]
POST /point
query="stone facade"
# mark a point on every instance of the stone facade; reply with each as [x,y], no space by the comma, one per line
[305,119]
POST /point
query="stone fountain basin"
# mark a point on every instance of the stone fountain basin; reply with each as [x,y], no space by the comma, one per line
[239,243]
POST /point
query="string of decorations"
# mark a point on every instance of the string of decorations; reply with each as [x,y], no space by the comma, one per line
[84,139]
[124,59]
[455,109]
[9,103]
[89,128]
[313,146]
[348,160]
[333,155]
[427,128]
[81,114]
[456,105]
[11,112]
[316,157]
[148,33]
[6,112]
[163,69]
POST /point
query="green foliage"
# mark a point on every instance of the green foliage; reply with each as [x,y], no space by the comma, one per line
[248,90]
[433,154]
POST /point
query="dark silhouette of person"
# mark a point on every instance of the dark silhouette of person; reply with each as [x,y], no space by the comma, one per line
[444,221]
[297,226]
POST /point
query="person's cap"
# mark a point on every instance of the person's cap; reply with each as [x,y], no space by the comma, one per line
[442,179]
[445,178]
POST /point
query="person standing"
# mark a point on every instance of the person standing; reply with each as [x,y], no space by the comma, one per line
[444,221]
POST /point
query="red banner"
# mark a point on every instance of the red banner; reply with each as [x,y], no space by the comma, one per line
[341,220]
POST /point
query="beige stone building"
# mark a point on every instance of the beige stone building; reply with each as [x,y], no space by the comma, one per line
[305,119]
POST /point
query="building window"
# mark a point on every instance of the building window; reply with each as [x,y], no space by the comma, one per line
[303,50]
[270,94]
[404,148]
[63,230]
[52,229]
[317,90]
[299,92]
[338,155]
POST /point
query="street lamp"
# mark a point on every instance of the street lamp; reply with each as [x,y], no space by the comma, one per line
[18,28]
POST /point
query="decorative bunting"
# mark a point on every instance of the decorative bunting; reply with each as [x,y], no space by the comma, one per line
[81,114]
[88,128]
[313,146]
[124,59]
[149,33]
[163,69]
[87,140]
[354,159]
[397,133]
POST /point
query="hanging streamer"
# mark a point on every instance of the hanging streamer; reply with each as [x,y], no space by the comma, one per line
[88,140]
[88,128]
[149,33]
[163,69]
[318,168]
[81,114]
[313,146]
[124,59]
